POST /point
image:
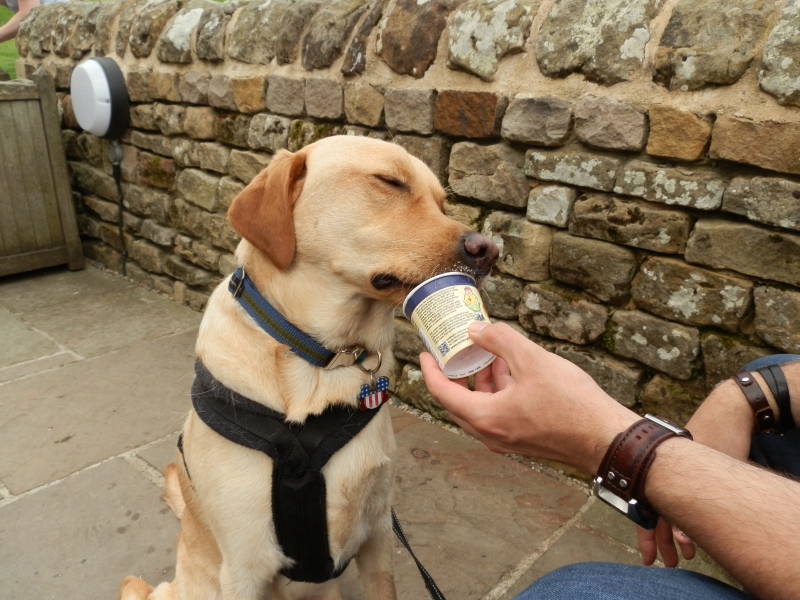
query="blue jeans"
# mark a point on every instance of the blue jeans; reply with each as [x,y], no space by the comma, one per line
[607,581]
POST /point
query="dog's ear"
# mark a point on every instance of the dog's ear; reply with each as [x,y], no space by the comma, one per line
[262,212]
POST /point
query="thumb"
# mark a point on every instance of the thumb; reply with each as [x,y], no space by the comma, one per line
[501,340]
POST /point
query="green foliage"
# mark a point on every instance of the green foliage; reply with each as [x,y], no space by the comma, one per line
[8,50]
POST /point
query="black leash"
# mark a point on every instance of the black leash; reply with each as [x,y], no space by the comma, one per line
[430,584]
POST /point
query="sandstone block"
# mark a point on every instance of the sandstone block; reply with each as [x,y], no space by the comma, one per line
[324,98]
[631,223]
[302,133]
[149,256]
[770,145]
[194,299]
[286,96]
[375,134]
[410,110]
[213,157]
[363,104]
[219,232]
[153,142]
[193,87]
[665,346]
[464,214]
[252,38]
[603,40]
[156,171]
[186,272]
[158,234]
[433,151]
[524,246]
[249,93]
[469,114]
[490,174]
[147,202]
[407,343]
[220,94]
[602,269]
[621,380]
[575,168]
[355,58]
[411,389]
[537,121]
[154,282]
[766,200]
[199,122]
[246,165]
[501,295]
[199,188]
[126,18]
[746,249]
[143,117]
[780,62]
[175,45]
[677,134]
[186,153]
[675,400]
[148,25]
[232,129]
[40,37]
[197,252]
[105,210]
[228,189]
[703,45]
[329,31]
[553,311]
[695,188]
[170,118]
[294,23]
[674,290]
[138,83]
[609,124]
[724,355]
[409,35]
[92,180]
[186,217]
[91,149]
[269,132]
[210,44]
[777,316]
[482,32]
[551,204]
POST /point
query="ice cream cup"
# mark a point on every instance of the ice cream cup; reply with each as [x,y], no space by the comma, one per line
[442,309]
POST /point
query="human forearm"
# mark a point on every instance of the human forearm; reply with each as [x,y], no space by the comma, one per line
[10,29]
[704,492]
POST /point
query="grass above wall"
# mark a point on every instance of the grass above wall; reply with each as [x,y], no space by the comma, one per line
[8,50]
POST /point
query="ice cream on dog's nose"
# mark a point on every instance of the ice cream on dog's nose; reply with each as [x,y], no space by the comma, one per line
[442,309]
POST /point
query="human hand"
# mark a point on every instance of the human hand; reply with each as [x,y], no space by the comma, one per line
[661,540]
[530,402]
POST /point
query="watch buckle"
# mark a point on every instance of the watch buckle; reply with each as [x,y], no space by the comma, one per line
[630,508]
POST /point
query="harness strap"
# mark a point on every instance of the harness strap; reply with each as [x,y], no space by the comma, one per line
[298,451]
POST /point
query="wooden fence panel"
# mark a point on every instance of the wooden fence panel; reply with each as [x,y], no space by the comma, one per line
[38,227]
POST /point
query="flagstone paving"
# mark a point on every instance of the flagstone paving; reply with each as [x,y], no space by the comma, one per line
[95,374]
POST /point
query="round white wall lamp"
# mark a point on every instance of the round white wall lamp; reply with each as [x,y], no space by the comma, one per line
[100,98]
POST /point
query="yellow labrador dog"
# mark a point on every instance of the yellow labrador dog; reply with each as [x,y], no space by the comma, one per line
[334,236]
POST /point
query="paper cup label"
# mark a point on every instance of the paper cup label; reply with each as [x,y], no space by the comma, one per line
[443,319]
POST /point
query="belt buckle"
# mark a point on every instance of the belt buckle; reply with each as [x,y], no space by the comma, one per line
[346,357]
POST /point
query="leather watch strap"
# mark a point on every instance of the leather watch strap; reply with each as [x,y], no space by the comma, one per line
[629,457]
[765,417]
[779,387]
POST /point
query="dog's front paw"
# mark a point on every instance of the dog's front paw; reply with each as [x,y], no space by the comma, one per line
[133,588]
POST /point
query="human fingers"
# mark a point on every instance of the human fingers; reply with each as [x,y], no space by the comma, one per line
[686,544]
[501,373]
[501,340]
[666,544]
[484,381]
[458,400]
[427,358]
[647,545]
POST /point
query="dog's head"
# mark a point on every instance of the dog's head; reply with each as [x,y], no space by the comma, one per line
[363,209]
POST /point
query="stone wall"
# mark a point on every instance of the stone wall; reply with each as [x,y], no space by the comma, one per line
[637,161]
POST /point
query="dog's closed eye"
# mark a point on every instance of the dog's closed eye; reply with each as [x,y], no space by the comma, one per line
[392,182]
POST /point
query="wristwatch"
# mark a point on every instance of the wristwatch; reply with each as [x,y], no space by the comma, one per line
[620,479]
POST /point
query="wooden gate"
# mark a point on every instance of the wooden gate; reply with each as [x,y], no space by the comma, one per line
[37,218]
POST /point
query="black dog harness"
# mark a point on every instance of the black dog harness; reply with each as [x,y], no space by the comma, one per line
[298,452]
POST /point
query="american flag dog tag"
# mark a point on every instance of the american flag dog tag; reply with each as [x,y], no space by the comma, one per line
[372,397]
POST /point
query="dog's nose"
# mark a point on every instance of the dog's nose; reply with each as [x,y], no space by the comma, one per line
[478,252]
